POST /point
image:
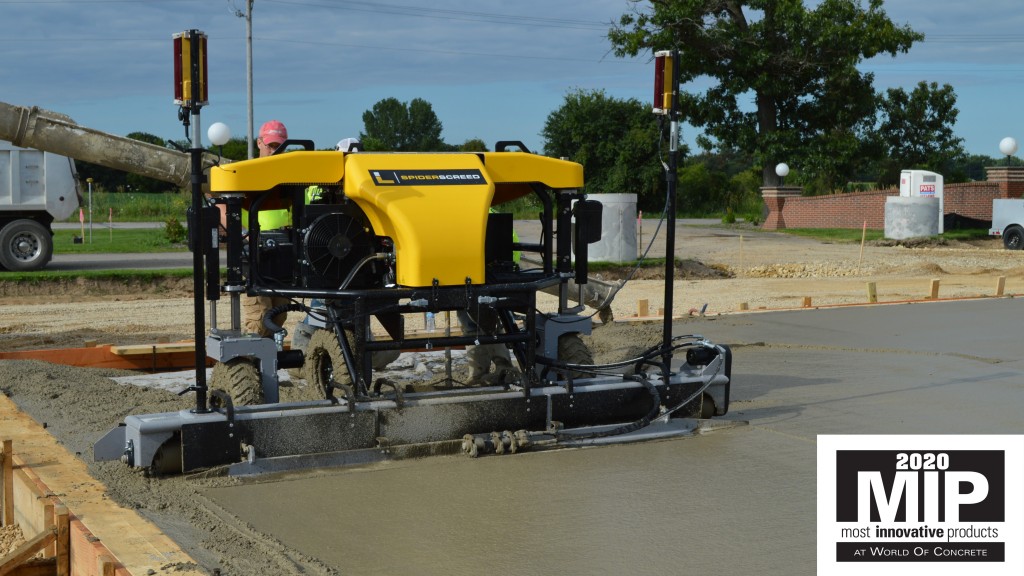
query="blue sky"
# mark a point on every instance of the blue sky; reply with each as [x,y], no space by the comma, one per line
[491,69]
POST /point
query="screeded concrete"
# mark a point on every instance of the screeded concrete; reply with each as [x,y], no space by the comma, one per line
[737,501]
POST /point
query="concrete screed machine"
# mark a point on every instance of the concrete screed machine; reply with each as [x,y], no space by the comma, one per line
[388,236]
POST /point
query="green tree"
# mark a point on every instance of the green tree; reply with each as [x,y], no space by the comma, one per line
[615,140]
[799,66]
[916,131]
[473,145]
[402,127]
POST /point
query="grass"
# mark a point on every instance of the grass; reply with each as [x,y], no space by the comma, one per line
[133,207]
[839,235]
[847,235]
[40,276]
[116,241]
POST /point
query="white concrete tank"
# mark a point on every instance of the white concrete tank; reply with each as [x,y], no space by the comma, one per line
[911,217]
[923,184]
[618,228]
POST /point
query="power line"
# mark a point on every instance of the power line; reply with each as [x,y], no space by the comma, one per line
[443,14]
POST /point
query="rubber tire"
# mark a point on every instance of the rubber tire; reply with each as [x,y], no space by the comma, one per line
[1013,238]
[324,362]
[572,350]
[40,246]
[240,378]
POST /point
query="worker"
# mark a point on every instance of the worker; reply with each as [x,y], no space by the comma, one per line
[304,330]
[480,357]
[272,134]
[316,317]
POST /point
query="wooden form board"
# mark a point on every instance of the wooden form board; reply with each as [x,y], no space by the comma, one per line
[103,535]
[153,357]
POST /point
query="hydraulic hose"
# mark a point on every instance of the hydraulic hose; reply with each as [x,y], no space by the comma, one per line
[625,428]
[268,316]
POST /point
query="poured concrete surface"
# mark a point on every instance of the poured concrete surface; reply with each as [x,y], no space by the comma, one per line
[737,501]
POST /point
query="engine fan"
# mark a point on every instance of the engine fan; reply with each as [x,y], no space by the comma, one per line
[333,245]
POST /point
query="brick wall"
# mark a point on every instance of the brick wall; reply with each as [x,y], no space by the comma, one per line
[970,200]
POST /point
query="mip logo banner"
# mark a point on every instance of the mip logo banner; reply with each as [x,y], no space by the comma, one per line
[944,503]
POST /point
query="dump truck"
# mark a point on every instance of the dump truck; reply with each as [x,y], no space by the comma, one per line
[36,189]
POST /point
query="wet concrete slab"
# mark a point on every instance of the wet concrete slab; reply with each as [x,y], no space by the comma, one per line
[735,501]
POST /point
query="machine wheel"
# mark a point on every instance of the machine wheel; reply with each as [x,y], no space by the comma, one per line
[241,379]
[324,360]
[1013,238]
[707,406]
[167,460]
[25,245]
[572,350]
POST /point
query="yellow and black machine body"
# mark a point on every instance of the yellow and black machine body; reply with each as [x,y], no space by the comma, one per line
[384,235]
[389,237]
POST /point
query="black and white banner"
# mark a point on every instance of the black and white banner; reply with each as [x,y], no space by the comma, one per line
[947,504]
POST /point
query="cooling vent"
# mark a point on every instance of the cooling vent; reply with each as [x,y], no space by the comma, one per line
[333,245]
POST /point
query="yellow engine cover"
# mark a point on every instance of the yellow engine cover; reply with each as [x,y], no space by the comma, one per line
[434,207]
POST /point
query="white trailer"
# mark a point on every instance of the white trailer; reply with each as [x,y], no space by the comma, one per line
[1008,222]
[36,188]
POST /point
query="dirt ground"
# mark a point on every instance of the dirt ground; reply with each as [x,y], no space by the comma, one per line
[728,267]
[724,268]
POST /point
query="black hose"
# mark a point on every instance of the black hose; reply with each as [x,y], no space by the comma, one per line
[268,316]
[625,428]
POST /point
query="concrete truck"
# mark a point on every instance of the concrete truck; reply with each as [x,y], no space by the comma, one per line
[36,188]
[38,183]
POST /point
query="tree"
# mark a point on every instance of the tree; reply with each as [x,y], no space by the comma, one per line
[472,145]
[798,65]
[615,140]
[916,130]
[402,127]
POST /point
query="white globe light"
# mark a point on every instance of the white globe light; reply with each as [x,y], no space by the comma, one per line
[218,133]
[782,169]
[1008,146]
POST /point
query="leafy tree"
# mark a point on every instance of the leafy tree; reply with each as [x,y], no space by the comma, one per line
[234,149]
[615,140]
[402,127]
[473,145]
[916,131]
[798,65]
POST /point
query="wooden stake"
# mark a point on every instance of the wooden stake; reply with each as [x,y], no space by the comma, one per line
[863,237]
[106,565]
[63,541]
[8,480]
[642,309]
[50,523]
[934,294]
[1000,285]
[741,252]
[872,293]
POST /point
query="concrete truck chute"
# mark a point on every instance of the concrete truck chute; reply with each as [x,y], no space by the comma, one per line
[37,182]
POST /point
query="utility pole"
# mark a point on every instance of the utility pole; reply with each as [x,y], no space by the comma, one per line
[248,71]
